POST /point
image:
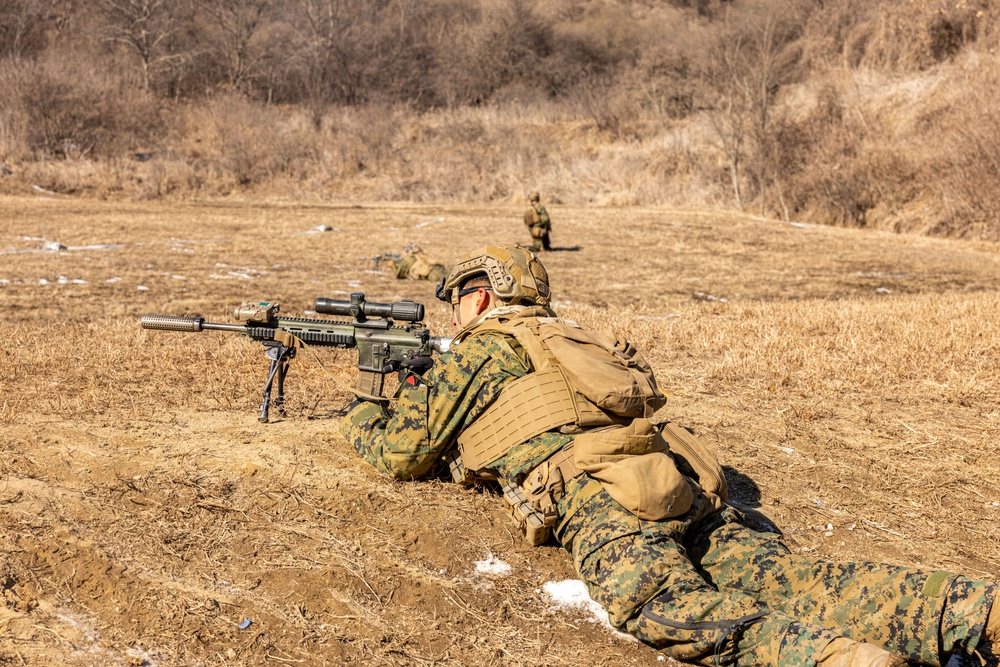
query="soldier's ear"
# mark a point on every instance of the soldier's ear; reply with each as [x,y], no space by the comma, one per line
[484,298]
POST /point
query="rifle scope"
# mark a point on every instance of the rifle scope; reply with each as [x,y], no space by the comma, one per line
[406,310]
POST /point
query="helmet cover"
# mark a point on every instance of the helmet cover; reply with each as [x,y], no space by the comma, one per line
[516,276]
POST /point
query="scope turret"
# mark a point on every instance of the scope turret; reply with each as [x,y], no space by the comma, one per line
[406,310]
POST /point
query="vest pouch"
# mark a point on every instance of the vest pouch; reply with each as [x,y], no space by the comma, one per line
[612,375]
[695,459]
[420,267]
[634,465]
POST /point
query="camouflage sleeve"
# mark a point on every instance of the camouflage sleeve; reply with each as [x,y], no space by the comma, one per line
[406,442]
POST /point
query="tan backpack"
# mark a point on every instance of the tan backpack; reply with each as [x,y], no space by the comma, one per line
[609,372]
[531,217]
[602,389]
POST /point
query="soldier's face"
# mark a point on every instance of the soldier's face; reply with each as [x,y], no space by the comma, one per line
[470,306]
[464,311]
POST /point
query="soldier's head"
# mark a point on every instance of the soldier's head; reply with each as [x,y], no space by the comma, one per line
[534,196]
[491,277]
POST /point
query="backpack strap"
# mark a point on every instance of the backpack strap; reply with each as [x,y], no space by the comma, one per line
[526,334]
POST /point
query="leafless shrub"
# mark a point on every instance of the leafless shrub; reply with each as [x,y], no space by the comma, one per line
[600,100]
[832,165]
[917,34]
[490,46]
[968,180]
[245,142]
[74,110]
[754,56]
[23,27]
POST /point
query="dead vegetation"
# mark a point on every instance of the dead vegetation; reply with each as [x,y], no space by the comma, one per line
[867,114]
[848,379]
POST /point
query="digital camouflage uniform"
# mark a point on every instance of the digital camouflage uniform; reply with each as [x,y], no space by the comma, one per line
[702,587]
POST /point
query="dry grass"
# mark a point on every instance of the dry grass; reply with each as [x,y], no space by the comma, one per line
[847,378]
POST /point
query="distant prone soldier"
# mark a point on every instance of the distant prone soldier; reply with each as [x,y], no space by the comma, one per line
[413,264]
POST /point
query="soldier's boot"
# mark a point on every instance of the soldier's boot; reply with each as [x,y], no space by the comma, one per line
[843,652]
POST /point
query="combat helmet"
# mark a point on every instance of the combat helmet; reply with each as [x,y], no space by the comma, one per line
[534,196]
[515,274]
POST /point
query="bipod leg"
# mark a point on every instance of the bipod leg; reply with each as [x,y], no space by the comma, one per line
[279,356]
[279,401]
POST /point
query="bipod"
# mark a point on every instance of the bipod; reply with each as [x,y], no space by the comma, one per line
[279,355]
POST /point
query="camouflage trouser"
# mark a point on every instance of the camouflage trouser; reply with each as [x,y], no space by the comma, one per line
[723,592]
[539,239]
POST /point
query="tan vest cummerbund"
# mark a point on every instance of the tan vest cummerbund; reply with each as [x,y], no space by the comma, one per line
[528,406]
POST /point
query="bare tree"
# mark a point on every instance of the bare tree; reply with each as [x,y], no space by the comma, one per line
[23,24]
[144,27]
[754,58]
[732,112]
[492,46]
[334,33]
[358,51]
[238,23]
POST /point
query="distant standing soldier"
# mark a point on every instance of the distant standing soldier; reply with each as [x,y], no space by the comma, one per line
[536,219]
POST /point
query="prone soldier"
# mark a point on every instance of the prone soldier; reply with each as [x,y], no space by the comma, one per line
[413,264]
[543,407]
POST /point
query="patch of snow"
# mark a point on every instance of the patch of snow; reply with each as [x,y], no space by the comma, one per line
[99,246]
[705,296]
[319,229]
[571,595]
[429,222]
[493,567]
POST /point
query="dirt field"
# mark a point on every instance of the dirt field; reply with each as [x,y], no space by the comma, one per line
[848,379]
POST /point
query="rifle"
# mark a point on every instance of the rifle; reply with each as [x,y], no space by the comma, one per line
[393,257]
[383,346]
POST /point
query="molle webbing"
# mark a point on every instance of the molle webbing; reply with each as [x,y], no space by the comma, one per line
[564,461]
[541,401]
[528,406]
